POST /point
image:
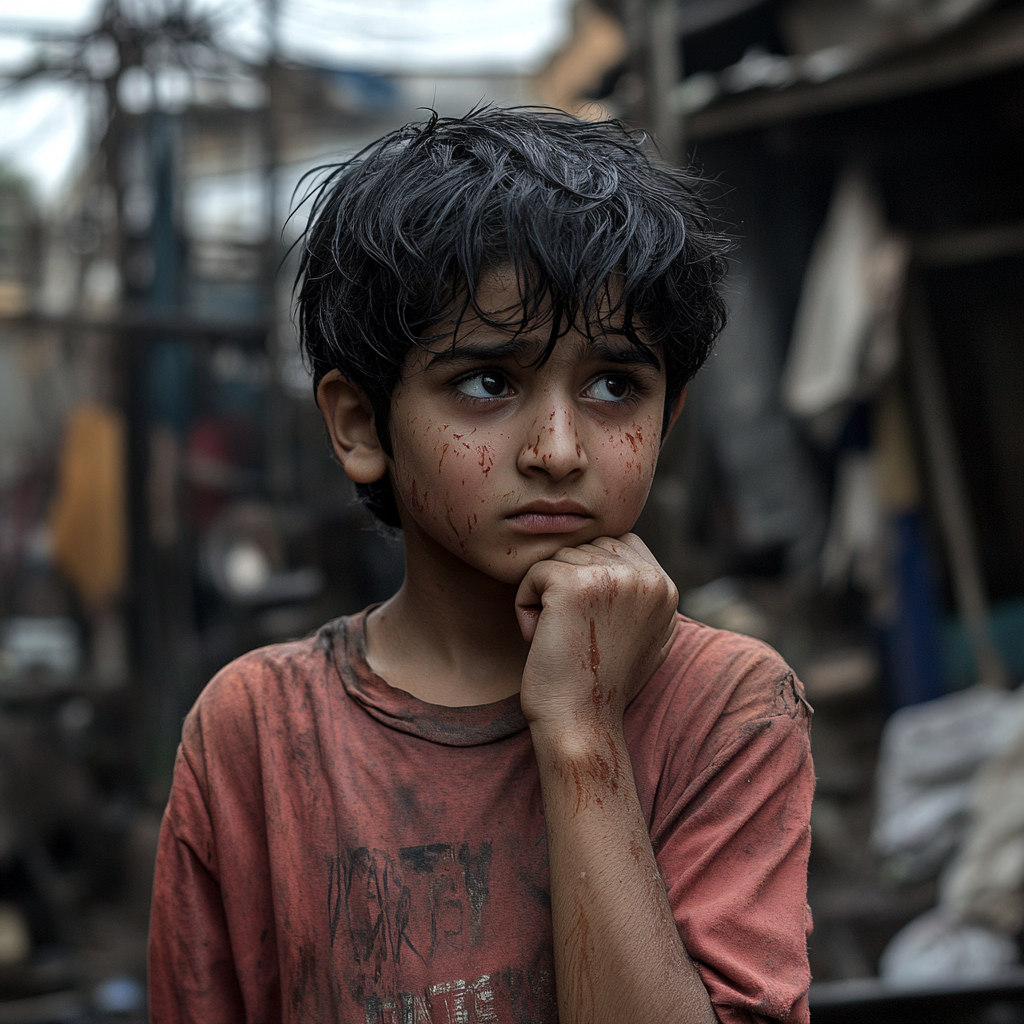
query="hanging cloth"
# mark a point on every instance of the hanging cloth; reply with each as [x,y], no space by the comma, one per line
[88,519]
[845,337]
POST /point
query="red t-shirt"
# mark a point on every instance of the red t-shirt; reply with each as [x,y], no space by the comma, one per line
[336,850]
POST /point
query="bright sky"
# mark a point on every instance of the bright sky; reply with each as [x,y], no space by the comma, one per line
[44,126]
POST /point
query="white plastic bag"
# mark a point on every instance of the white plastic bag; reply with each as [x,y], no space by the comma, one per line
[929,755]
[937,947]
[984,883]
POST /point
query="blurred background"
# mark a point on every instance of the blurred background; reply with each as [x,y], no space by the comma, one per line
[847,482]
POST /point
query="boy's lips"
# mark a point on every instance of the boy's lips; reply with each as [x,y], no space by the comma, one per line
[550,517]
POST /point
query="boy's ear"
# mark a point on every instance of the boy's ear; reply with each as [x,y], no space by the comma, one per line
[349,418]
[677,408]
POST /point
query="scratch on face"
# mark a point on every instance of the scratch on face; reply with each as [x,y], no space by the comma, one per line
[452,526]
[419,503]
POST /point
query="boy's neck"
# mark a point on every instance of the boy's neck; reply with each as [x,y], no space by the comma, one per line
[450,635]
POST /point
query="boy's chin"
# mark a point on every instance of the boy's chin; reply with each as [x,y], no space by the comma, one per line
[512,566]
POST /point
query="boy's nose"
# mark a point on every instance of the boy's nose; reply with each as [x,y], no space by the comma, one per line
[552,445]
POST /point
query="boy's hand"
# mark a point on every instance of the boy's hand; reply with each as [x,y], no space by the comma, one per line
[600,619]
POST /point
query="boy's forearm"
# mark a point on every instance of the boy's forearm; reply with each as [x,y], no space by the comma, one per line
[618,955]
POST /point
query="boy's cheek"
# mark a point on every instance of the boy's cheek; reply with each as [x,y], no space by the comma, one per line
[455,483]
[447,492]
[630,457]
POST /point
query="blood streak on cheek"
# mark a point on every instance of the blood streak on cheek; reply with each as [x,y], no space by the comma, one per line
[452,526]
[419,502]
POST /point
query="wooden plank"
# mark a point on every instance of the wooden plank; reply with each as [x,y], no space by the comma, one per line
[47,1009]
[975,245]
[664,70]
[141,323]
[872,990]
[985,47]
[949,491]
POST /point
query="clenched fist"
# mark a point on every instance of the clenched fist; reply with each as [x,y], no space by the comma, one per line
[600,620]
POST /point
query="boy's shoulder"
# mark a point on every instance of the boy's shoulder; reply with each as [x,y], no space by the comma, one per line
[741,675]
[715,689]
[263,688]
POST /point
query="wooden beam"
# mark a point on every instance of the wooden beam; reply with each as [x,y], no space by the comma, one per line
[126,323]
[949,491]
[976,245]
[664,72]
[985,47]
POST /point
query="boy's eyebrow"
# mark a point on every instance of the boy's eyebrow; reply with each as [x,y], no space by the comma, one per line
[481,352]
[632,355]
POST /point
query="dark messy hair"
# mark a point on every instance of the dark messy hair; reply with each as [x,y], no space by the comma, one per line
[600,236]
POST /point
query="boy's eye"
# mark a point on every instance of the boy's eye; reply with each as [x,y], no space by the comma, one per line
[487,384]
[613,388]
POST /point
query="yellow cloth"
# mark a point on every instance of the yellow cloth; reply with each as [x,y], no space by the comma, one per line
[88,520]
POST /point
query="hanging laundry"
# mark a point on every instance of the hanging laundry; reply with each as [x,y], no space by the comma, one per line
[88,519]
[845,336]
[755,445]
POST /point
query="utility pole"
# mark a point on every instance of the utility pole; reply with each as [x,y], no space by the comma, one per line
[137,161]
[655,67]
[280,437]
[664,72]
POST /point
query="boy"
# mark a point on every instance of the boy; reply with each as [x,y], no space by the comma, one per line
[524,789]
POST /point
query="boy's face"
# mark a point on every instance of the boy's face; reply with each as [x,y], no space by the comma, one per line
[502,463]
